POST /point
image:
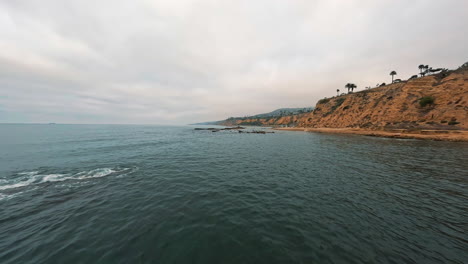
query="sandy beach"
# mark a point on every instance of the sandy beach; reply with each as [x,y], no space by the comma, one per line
[439,135]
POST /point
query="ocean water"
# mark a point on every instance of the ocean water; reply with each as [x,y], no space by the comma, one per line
[155,194]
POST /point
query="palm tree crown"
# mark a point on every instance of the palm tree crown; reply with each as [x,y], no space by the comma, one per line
[424,69]
[421,68]
[393,73]
[350,86]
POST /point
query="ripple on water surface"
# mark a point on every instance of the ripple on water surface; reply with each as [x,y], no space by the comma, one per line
[146,194]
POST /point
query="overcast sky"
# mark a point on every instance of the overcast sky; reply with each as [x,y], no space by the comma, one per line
[184,61]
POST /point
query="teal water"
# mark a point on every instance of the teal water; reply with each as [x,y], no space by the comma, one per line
[154,194]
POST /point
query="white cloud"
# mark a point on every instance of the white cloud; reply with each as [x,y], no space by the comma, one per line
[193,60]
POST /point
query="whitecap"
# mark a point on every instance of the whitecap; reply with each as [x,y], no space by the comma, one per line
[10,185]
[55,177]
[97,173]
[34,178]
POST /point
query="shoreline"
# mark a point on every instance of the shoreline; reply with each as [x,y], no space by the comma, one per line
[438,135]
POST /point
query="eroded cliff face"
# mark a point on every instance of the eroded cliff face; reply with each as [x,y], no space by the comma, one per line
[395,106]
[398,106]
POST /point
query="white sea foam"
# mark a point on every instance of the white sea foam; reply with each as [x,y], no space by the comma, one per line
[28,177]
[97,173]
[34,178]
[11,185]
[55,177]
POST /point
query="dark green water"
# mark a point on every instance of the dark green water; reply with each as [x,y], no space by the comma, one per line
[152,194]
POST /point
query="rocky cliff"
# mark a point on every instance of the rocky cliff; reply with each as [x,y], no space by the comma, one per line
[432,102]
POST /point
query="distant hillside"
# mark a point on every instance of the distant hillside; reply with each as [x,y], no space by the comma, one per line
[266,119]
[207,123]
[283,112]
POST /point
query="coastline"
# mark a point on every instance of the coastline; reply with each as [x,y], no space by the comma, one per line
[438,135]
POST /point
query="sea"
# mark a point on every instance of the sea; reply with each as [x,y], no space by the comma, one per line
[172,194]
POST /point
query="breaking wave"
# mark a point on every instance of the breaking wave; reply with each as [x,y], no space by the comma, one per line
[28,178]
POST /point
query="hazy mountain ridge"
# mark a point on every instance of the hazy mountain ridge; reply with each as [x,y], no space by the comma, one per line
[276,117]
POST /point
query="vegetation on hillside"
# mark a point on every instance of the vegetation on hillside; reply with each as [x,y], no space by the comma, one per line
[323,101]
[426,100]
[423,71]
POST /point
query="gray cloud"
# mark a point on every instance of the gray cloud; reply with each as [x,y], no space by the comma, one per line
[175,62]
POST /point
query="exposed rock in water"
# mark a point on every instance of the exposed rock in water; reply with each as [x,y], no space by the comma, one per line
[238,128]
[212,129]
[257,132]
[234,128]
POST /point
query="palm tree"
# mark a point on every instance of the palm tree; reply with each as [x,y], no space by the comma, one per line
[337,92]
[421,68]
[348,86]
[393,73]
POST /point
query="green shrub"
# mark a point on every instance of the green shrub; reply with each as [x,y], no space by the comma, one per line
[452,123]
[323,101]
[338,102]
[426,100]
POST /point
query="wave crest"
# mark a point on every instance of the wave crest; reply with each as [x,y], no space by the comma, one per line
[27,178]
